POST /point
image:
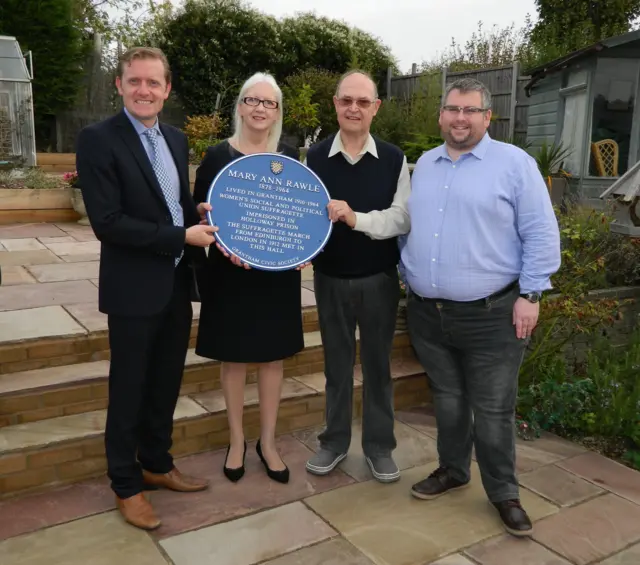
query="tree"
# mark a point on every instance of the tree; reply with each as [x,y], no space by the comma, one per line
[567,25]
[48,29]
[214,45]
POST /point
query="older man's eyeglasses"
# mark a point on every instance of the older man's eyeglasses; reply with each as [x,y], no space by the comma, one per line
[347,102]
[269,104]
[466,110]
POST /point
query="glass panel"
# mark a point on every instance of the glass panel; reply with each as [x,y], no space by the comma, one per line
[12,64]
[614,93]
[573,130]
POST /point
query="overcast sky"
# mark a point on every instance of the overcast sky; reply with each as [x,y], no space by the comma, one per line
[415,30]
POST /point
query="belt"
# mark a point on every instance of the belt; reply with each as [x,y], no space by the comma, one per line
[499,294]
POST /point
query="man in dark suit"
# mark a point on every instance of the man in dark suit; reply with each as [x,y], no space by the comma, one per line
[133,172]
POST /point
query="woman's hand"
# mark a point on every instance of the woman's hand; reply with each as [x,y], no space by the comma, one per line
[304,266]
[233,258]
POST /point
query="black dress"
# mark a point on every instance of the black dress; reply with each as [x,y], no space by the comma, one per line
[246,316]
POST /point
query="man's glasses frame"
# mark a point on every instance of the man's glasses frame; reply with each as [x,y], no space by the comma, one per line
[363,103]
[466,110]
[253,101]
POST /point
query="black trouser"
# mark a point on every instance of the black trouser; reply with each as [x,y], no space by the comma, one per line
[372,304]
[472,357]
[147,362]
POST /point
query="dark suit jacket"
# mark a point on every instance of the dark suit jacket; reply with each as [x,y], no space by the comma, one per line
[130,217]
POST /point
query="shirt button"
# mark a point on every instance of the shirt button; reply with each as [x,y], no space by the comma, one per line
[436,235]
[433,285]
[440,210]
[433,260]
[447,186]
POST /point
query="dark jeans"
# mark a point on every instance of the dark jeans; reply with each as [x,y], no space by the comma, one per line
[472,358]
[372,304]
[147,363]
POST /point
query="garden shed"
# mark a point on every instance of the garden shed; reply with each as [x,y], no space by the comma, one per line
[17,132]
[588,102]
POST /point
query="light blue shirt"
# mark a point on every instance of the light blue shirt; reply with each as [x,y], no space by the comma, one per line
[164,153]
[479,223]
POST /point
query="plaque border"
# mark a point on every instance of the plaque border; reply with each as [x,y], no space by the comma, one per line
[251,263]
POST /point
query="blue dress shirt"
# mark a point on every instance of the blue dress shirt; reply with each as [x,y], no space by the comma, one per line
[479,223]
[165,155]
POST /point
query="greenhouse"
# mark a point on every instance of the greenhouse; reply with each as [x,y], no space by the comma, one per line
[17,134]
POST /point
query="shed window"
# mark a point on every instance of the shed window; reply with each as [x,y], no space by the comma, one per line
[614,98]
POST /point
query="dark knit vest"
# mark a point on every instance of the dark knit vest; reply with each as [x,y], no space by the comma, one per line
[368,185]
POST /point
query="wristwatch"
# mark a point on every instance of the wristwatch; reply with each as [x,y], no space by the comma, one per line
[533,297]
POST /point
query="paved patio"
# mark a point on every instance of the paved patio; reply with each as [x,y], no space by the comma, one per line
[586,510]
[50,282]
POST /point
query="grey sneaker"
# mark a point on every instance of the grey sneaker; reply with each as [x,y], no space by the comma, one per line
[324,462]
[384,469]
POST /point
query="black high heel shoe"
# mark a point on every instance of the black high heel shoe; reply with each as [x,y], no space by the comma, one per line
[279,476]
[234,475]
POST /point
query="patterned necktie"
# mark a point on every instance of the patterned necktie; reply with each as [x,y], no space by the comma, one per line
[163,180]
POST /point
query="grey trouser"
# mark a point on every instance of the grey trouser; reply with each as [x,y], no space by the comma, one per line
[472,357]
[371,303]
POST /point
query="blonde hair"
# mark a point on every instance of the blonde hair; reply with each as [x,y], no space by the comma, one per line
[276,129]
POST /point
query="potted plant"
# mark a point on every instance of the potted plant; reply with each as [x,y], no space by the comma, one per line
[76,197]
[550,159]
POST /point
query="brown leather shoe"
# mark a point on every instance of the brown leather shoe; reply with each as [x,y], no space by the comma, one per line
[137,510]
[175,480]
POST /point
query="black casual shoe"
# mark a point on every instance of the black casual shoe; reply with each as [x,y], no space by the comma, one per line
[514,518]
[436,484]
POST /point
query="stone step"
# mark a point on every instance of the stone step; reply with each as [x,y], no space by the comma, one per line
[39,394]
[38,455]
[64,341]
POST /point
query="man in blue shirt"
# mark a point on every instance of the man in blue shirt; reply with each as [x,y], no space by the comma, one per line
[483,245]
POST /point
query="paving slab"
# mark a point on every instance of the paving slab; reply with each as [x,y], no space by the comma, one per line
[65,271]
[308,298]
[455,559]
[33,323]
[607,474]
[81,258]
[21,231]
[507,550]
[78,248]
[14,275]
[336,551]
[392,528]
[413,449]
[34,512]
[47,294]
[100,540]
[592,530]
[62,239]
[89,315]
[559,486]
[629,556]
[42,257]
[251,539]
[224,500]
[22,244]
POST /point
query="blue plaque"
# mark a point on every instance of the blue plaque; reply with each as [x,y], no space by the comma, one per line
[271,211]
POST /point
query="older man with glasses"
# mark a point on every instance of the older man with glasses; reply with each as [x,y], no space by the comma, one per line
[356,276]
[483,246]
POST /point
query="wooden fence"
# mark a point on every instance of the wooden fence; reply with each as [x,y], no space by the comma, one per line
[509,101]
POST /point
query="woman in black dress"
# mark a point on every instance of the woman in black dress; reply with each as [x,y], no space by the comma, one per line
[249,315]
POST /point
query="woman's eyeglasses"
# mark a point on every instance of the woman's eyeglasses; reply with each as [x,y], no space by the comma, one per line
[269,104]
[363,103]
